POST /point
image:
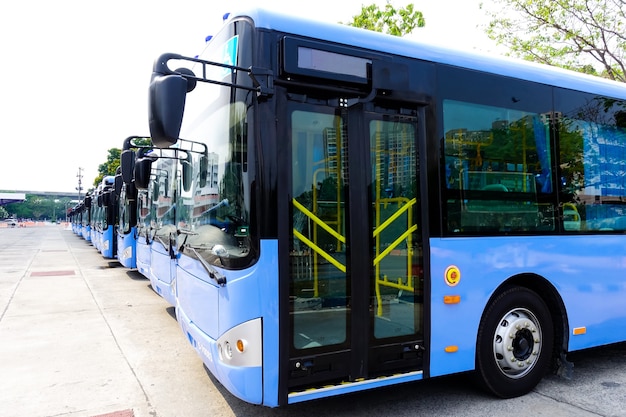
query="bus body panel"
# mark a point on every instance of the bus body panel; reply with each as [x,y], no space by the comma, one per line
[107,246]
[423,50]
[197,298]
[206,312]
[127,248]
[86,233]
[162,270]
[143,257]
[585,270]
[245,383]
[94,237]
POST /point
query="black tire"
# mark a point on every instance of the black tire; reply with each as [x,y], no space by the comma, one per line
[515,343]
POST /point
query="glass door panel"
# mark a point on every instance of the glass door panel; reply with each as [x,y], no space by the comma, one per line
[318,280]
[355,264]
[397,247]
[396,280]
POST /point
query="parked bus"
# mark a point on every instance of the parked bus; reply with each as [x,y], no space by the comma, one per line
[145,231]
[105,218]
[166,177]
[378,210]
[86,220]
[162,247]
[75,219]
[127,196]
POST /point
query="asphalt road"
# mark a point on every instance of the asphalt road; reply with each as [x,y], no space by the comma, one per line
[82,336]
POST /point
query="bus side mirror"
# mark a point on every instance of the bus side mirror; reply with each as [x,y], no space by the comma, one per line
[204,170]
[131,191]
[118,184]
[166,105]
[127,164]
[143,166]
[187,172]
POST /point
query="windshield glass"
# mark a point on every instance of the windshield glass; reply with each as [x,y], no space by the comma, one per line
[144,213]
[215,211]
[163,198]
[124,211]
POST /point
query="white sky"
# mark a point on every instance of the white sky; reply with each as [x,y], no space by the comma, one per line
[74,74]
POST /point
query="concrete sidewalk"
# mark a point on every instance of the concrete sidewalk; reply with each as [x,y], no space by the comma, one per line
[82,336]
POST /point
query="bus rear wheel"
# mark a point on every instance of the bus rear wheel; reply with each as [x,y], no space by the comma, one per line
[515,342]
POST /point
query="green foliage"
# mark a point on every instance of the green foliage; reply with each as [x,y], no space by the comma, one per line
[38,207]
[583,35]
[392,21]
[110,166]
[142,141]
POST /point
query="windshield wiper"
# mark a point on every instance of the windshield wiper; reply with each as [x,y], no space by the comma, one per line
[219,278]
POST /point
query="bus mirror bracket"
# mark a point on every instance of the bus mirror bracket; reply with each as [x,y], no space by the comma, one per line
[263,79]
[391,80]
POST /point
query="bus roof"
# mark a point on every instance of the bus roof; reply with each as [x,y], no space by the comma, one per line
[412,48]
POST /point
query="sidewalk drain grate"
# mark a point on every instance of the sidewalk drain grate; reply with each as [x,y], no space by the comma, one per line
[123,413]
[51,273]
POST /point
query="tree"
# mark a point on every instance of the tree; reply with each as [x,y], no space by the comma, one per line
[38,207]
[583,35]
[110,166]
[392,21]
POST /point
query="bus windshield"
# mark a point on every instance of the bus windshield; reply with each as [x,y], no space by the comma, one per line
[214,214]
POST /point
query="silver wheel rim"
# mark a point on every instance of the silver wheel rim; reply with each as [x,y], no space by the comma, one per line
[517,343]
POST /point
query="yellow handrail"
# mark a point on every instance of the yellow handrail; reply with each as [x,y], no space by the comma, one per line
[319,251]
[397,214]
[318,221]
[394,244]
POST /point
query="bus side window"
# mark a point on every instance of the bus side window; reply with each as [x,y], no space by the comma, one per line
[498,169]
[592,185]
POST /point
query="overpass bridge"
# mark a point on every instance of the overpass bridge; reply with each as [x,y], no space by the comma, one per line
[7,198]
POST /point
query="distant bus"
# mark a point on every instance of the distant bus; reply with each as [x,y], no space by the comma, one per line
[127,197]
[372,210]
[85,217]
[104,218]
[75,219]
[164,179]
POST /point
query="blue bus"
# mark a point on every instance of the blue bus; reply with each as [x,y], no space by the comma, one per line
[166,174]
[75,219]
[162,246]
[127,195]
[105,218]
[85,217]
[376,210]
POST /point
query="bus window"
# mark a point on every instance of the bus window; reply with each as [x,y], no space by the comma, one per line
[497,169]
[593,155]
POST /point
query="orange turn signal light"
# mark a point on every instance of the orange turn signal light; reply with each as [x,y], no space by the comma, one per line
[451,299]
